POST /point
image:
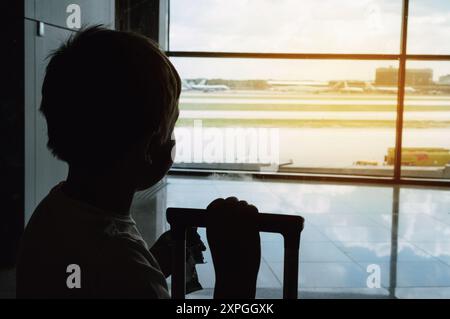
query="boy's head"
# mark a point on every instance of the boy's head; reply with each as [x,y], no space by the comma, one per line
[110,97]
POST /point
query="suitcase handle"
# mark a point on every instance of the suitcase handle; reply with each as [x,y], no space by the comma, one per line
[288,225]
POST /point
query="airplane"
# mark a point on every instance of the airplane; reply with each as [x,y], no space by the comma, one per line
[202,86]
[388,89]
[357,87]
[298,86]
[318,86]
[344,87]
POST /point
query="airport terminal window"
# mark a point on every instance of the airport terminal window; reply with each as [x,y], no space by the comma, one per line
[300,122]
[309,87]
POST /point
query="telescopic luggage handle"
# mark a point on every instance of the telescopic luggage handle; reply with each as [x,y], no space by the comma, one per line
[289,226]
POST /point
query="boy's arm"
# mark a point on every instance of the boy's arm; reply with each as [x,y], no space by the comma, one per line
[235,247]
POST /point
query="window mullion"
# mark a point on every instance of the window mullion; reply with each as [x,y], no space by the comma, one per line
[401,92]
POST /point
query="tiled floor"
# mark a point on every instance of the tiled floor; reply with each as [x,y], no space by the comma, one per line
[348,229]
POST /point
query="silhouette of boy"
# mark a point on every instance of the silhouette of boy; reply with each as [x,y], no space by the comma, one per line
[110,99]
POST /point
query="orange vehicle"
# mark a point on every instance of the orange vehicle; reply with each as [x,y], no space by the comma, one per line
[420,156]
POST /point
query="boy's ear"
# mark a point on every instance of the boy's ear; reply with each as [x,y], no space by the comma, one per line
[148,150]
[161,152]
[151,148]
[158,161]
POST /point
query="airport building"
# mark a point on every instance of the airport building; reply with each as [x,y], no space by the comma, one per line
[414,77]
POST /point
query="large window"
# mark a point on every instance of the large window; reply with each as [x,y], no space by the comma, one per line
[304,86]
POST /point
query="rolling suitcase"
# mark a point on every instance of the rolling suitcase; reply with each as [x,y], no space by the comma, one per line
[289,226]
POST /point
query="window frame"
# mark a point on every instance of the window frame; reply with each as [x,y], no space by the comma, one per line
[402,57]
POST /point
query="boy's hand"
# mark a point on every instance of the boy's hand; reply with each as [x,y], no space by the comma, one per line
[235,246]
[162,249]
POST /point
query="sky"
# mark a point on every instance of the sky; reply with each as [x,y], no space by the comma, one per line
[304,26]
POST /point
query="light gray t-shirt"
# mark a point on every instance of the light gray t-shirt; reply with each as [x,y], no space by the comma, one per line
[113,259]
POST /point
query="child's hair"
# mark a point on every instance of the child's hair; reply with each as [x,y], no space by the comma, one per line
[103,91]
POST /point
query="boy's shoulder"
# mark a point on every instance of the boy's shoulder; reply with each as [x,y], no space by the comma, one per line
[110,251]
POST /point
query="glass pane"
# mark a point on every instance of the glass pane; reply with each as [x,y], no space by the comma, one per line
[429,27]
[426,134]
[334,117]
[345,26]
